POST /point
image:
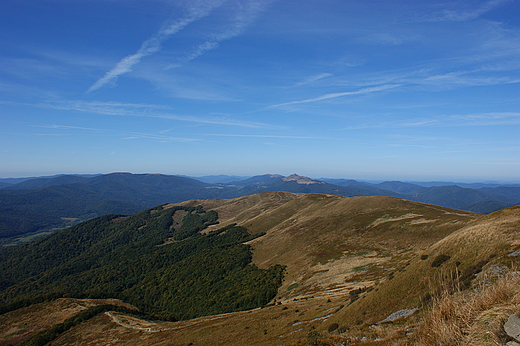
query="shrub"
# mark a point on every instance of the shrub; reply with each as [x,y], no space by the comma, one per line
[333,327]
[439,260]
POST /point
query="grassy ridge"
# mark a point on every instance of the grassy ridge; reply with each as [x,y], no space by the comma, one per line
[46,336]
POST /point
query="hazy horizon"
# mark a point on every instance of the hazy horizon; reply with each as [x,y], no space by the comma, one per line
[380,90]
[360,179]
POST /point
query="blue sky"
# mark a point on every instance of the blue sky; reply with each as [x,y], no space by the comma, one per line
[407,90]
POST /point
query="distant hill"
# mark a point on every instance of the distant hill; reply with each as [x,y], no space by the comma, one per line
[44,182]
[51,204]
[4,185]
[220,179]
[512,192]
[27,211]
[300,184]
[39,205]
[464,185]
[453,196]
[346,182]
[400,187]
[12,181]
[257,180]
[483,207]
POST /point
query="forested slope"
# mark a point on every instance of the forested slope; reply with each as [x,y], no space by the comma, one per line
[156,260]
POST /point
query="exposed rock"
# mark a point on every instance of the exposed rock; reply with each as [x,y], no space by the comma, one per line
[512,327]
[302,180]
[399,314]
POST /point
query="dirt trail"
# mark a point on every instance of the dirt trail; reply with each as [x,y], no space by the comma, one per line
[153,327]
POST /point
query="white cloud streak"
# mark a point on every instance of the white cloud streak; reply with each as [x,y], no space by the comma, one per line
[144,110]
[340,94]
[266,136]
[487,119]
[463,14]
[449,120]
[246,14]
[197,11]
[127,135]
[314,78]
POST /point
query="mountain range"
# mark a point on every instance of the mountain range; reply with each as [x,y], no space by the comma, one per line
[42,205]
[271,268]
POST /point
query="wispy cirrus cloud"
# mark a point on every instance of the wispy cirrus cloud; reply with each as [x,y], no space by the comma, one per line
[465,79]
[314,78]
[339,94]
[196,11]
[460,72]
[161,136]
[245,15]
[144,110]
[487,119]
[388,39]
[124,134]
[395,124]
[264,136]
[460,11]
[447,120]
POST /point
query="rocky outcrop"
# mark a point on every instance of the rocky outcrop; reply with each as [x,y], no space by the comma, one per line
[512,328]
[399,314]
[302,180]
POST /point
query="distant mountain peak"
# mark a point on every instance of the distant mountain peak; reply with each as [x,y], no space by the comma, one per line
[302,180]
[119,173]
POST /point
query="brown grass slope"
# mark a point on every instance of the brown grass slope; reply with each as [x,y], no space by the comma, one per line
[20,324]
[465,267]
[350,263]
[323,238]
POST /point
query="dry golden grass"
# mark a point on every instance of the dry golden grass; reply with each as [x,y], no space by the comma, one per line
[287,324]
[465,318]
[472,318]
[487,240]
[18,325]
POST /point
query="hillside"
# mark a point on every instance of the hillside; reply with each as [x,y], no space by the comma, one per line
[156,260]
[299,184]
[42,204]
[36,207]
[306,231]
[349,264]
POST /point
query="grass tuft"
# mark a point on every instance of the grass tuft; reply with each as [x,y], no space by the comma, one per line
[472,317]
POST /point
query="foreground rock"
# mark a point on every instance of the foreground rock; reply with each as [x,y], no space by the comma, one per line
[512,327]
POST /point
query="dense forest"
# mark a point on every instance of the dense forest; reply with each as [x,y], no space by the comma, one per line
[158,260]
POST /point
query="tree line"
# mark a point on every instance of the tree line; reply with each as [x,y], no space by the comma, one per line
[127,257]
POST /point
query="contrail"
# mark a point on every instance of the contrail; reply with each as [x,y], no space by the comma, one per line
[340,94]
[153,45]
[244,17]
